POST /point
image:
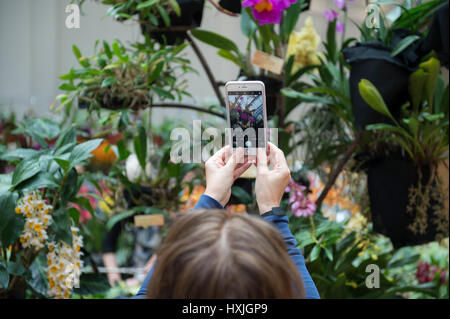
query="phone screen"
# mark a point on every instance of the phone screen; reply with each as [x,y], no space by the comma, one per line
[247,118]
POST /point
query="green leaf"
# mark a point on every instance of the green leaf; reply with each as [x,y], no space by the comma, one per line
[290,19]
[241,194]
[66,137]
[107,49]
[4,276]
[85,203]
[15,268]
[41,180]
[74,214]
[146,4]
[5,183]
[7,206]
[400,262]
[123,152]
[164,15]
[64,164]
[315,252]
[175,6]
[230,56]
[25,170]
[109,81]
[305,97]
[248,26]
[83,151]
[116,218]
[403,44]
[140,146]
[76,51]
[61,225]
[416,87]
[12,230]
[328,253]
[91,284]
[432,67]
[157,71]
[162,93]
[38,278]
[20,153]
[372,97]
[331,41]
[215,40]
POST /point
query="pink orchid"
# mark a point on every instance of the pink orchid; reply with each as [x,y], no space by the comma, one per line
[301,205]
[267,11]
[330,15]
[339,26]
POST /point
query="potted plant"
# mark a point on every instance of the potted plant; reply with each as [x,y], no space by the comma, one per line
[186,15]
[261,29]
[386,56]
[162,20]
[406,194]
[121,78]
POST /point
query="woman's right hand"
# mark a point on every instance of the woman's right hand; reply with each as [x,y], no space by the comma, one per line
[271,182]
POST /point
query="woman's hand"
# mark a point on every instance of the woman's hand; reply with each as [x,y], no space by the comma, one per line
[271,182]
[222,169]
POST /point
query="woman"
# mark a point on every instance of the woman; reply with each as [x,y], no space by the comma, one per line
[210,253]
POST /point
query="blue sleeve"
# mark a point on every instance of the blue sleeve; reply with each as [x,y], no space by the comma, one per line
[282,224]
[205,202]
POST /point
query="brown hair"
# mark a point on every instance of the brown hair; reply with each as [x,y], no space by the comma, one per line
[217,254]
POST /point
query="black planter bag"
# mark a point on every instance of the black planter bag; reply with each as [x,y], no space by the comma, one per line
[437,37]
[389,180]
[190,18]
[272,87]
[373,61]
[231,5]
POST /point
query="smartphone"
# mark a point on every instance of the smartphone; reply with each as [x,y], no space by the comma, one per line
[246,115]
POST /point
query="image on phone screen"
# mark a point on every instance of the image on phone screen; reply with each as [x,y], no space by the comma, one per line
[247,112]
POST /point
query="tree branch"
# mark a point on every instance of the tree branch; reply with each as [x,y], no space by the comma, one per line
[335,173]
[207,69]
[189,107]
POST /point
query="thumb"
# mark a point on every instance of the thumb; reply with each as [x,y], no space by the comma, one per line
[261,160]
[236,158]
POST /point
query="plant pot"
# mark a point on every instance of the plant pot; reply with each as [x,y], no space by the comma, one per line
[389,181]
[231,5]
[373,61]
[190,18]
[246,184]
[273,87]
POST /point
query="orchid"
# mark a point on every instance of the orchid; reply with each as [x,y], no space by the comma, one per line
[330,15]
[301,205]
[333,15]
[267,11]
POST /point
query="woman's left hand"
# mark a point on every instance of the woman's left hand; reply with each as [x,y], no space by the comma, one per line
[222,169]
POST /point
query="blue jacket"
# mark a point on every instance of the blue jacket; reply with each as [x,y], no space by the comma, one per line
[281,223]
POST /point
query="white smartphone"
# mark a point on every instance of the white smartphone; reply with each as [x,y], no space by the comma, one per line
[246,115]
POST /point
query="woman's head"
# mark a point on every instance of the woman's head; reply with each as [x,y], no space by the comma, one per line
[216,254]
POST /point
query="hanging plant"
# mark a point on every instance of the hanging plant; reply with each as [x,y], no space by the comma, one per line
[121,78]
